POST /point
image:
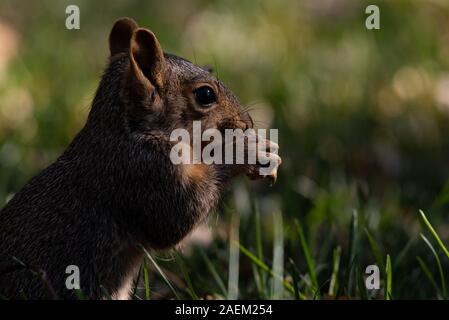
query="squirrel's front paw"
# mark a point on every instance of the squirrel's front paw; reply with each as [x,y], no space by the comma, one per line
[268,161]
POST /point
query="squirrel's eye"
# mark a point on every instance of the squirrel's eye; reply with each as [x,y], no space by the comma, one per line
[205,96]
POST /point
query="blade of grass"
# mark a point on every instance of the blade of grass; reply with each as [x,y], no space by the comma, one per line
[146,280]
[389,279]
[318,290]
[264,267]
[278,256]
[257,280]
[376,250]
[440,268]
[352,253]
[186,275]
[335,269]
[361,284]
[305,248]
[434,233]
[258,233]
[429,275]
[403,253]
[136,283]
[233,273]
[259,244]
[213,271]
[164,277]
[295,275]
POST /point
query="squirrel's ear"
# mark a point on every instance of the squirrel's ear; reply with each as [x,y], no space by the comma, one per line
[147,57]
[121,33]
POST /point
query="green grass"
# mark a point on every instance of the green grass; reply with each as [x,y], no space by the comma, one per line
[304,273]
[434,234]
[388,281]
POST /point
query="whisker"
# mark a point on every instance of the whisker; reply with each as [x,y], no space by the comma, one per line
[261,122]
[194,52]
[216,68]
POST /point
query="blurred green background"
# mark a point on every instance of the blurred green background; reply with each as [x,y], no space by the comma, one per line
[363,119]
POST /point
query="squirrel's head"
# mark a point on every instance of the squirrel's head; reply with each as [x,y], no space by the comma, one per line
[161,92]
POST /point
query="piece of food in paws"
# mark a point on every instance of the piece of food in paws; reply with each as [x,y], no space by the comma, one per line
[268,161]
[270,169]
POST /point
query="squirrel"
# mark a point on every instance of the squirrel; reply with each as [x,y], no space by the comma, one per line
[114,189]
